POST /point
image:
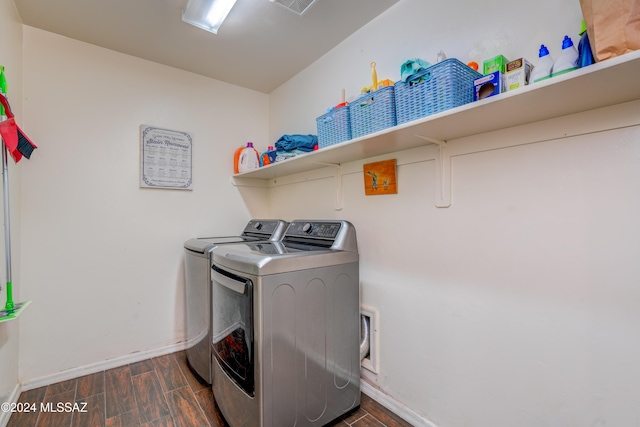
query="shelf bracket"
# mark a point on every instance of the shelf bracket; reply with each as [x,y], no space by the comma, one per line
[327,164]
[337,180]
[443,172]
[249,182]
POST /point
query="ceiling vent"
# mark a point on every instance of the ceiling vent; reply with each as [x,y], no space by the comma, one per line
[297,6]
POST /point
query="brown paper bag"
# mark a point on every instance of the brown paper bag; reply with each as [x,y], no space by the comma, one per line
[613,26]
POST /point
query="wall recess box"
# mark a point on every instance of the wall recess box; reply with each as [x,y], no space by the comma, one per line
[371,362]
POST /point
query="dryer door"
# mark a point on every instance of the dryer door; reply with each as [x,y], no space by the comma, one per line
[232,326]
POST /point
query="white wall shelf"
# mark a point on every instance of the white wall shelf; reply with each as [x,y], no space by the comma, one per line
[603,84]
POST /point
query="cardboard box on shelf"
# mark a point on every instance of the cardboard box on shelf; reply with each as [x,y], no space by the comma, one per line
[517,75]
[498,63]
[489,85]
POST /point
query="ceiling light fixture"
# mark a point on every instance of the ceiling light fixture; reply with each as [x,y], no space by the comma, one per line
[297,6]
[207,14]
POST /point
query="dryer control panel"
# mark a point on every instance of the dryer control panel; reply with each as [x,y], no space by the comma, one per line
[312,229]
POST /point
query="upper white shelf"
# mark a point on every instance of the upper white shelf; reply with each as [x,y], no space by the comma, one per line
[611,82]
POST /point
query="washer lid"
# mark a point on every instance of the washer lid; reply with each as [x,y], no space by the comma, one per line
[205,244]
[256,229]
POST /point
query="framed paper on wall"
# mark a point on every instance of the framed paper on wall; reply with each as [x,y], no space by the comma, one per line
[166,158]
[380,178]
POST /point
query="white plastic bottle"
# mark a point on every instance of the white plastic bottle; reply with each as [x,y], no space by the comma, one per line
[568,59]
[542,70]
[249,159]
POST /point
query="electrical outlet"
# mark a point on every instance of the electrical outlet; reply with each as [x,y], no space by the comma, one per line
[370,362]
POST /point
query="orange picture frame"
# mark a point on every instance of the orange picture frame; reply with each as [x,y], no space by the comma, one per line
[380,178]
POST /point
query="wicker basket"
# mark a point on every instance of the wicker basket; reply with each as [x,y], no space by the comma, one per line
[373,112]
[445,85]
[334,127]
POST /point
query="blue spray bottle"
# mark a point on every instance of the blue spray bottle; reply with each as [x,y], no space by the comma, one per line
[268,156]
[585,55]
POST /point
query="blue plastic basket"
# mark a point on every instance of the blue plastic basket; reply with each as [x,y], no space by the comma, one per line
[445,85]
[373,112]
[333,127]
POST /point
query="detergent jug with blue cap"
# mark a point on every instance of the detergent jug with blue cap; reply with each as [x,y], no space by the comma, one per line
[568,59]
[542,70]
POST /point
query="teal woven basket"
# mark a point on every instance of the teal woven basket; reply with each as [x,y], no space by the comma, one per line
[445,85]
[333,127]
[373,112]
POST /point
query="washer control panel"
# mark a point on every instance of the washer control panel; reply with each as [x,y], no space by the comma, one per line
[264,226]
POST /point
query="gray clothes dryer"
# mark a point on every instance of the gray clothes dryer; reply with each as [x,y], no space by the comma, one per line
[286,327]
[197,263]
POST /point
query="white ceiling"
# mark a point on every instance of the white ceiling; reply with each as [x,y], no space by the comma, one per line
[260,46]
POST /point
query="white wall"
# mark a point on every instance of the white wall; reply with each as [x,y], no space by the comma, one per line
[11,58]
[101,257]
[419,29]
[516,306]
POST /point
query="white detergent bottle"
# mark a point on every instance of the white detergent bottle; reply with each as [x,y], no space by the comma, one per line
[542,70]
[249,159]
[568,59]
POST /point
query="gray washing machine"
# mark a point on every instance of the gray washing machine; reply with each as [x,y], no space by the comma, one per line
[197,262]
[286,327]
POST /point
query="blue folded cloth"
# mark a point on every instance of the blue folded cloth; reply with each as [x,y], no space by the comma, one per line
[296,142]
[411,67]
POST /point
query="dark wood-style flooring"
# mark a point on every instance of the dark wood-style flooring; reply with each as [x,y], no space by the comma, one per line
[162,391]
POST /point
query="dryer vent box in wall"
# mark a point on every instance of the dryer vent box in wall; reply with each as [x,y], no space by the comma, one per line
[370,362]
[297,6]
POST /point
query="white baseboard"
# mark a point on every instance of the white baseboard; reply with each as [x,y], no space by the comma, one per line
[101,366]
[13,398]
[394,406]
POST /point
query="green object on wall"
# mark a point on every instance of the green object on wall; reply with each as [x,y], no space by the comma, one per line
[3,87]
